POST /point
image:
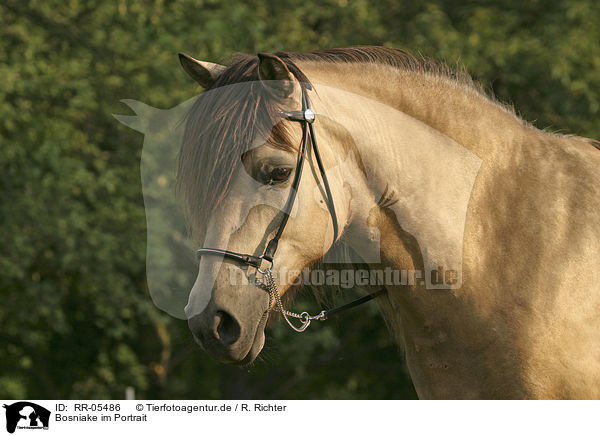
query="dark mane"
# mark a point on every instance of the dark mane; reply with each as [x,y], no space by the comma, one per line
[393,57]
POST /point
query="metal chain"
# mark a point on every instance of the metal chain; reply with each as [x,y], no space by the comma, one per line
[274,293]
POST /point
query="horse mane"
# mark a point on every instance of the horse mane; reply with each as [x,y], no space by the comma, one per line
[393,57]
[405,61]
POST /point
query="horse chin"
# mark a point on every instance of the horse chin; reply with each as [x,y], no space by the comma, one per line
[257,343]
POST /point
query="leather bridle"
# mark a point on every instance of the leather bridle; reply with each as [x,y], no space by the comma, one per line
[306,117]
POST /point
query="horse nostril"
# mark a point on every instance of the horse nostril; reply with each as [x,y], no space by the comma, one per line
[228,330]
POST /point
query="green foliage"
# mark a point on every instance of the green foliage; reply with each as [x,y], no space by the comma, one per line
[76,320]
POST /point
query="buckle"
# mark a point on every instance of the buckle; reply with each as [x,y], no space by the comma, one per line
[261,269]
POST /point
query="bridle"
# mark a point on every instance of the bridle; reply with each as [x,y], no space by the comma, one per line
[306,117]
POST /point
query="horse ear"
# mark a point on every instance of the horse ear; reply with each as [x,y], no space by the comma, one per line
[275,76]
[205,73]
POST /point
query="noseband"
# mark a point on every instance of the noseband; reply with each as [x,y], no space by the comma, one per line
[306,117]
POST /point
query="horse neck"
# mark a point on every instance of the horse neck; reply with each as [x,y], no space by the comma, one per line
[429,166]
[427,139]
[429,173]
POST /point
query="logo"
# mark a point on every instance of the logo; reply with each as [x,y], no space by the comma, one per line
[26,415]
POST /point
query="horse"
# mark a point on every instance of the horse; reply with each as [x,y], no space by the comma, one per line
[428,174]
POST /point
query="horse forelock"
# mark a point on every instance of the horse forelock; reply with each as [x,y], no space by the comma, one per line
[220,127]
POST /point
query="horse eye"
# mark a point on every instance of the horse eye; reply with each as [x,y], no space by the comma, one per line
[279,175]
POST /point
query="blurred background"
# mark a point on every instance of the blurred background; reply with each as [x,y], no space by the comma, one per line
[76,319]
